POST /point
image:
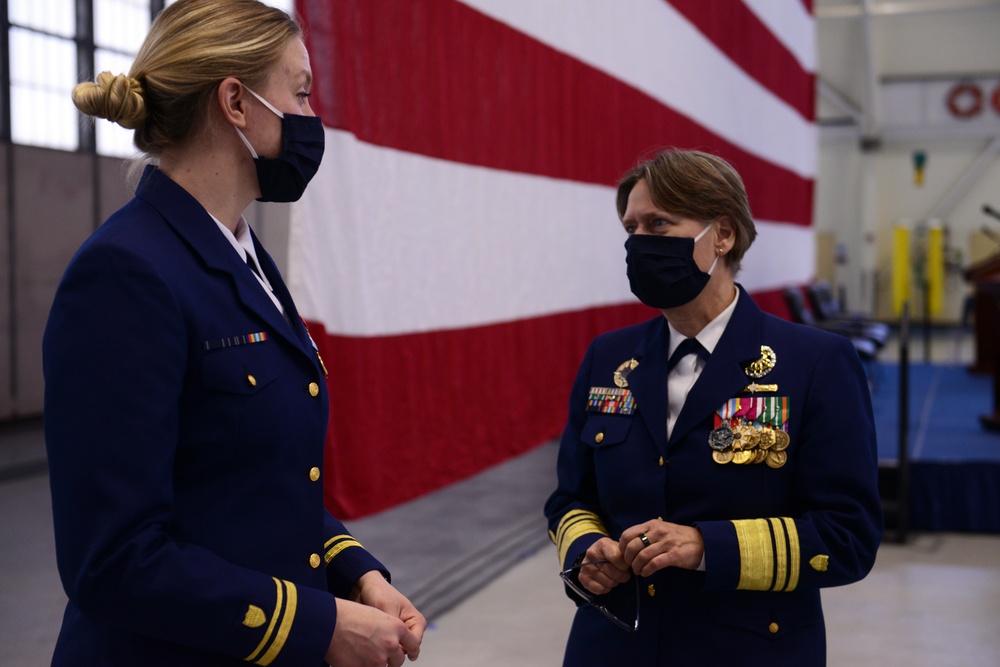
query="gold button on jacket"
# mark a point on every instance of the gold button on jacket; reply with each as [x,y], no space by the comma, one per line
[314,474]
[313,389]
[315,561]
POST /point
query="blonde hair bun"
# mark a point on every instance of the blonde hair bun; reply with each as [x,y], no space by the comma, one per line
[117,98]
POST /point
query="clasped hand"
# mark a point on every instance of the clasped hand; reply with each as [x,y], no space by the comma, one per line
[670,545]
[380,627]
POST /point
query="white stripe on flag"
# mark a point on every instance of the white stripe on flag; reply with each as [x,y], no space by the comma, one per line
[648,44]
[792,25]
[389,242]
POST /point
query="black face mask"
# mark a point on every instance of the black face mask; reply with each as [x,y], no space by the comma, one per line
[662,271]
[284,178]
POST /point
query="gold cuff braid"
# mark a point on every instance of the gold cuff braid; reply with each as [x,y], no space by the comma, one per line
[769,554]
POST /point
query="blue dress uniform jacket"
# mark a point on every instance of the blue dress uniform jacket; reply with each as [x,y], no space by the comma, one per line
[773,535]
[185,421]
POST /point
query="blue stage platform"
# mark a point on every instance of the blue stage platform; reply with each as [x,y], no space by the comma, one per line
[955,472]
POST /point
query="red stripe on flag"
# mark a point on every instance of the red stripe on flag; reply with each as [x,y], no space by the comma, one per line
[438,78]
[773,301]
[738,33]
[421,411]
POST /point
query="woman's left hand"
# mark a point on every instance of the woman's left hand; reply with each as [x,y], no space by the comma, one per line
[669,545]
[373,590]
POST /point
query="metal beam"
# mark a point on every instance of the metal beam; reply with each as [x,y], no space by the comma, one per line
[839,100]
[871,120]
[971,176]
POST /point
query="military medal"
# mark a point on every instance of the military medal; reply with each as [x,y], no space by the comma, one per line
[621,375]
[751,430]
[781,441]
[721,439]
[723,457]
[748,436]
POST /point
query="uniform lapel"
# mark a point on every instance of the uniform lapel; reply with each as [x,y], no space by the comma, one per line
[723,376]
[648,382]
[273,276]
[190,220]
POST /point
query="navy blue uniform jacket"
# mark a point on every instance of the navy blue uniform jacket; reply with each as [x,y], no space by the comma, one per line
[185,422]
[773,536]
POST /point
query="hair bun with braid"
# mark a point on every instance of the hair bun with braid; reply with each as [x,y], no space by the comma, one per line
[117,98]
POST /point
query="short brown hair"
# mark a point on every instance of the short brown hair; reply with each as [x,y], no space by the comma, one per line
[192,46]
[695,185]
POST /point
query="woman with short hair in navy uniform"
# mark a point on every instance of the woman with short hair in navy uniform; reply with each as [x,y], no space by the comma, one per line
[718,467]
[186,407]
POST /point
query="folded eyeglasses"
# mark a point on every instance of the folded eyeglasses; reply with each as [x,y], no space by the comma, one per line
[571,578]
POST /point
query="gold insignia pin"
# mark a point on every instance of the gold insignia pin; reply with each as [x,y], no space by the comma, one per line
[622,373]
[761,367]
[820,563]
[753,387]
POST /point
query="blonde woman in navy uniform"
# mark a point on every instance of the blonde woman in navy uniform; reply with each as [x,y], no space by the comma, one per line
[705,496]
[185,406]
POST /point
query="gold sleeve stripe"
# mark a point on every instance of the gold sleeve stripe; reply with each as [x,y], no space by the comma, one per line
[279,600]
[338,538]
[573,525]
[340,546]
[756,554]
[574,516]
[794,553]
[769,554]
[286,625]
[780,555]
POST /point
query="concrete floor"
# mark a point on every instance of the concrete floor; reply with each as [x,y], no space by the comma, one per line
[934,601]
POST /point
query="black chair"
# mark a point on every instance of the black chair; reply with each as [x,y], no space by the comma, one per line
[827,308]
[800,313]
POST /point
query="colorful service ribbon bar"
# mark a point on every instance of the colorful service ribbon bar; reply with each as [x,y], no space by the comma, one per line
[235,341]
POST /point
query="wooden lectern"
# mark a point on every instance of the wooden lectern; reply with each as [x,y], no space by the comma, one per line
[985,277]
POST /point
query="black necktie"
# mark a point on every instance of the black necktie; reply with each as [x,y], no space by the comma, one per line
[687,346]
[253,266]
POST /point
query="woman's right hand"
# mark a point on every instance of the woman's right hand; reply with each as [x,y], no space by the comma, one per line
[600,579]
[367,637]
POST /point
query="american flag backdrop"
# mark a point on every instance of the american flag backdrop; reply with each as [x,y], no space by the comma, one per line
[459,247]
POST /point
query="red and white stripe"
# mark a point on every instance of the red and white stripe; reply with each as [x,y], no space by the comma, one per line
[460,247]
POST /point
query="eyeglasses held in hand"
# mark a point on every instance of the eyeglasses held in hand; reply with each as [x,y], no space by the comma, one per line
[571,579]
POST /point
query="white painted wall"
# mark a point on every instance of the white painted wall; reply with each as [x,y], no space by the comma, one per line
[861,194]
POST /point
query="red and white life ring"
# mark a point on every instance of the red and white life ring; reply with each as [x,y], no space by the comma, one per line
[995,99]
[965,100]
